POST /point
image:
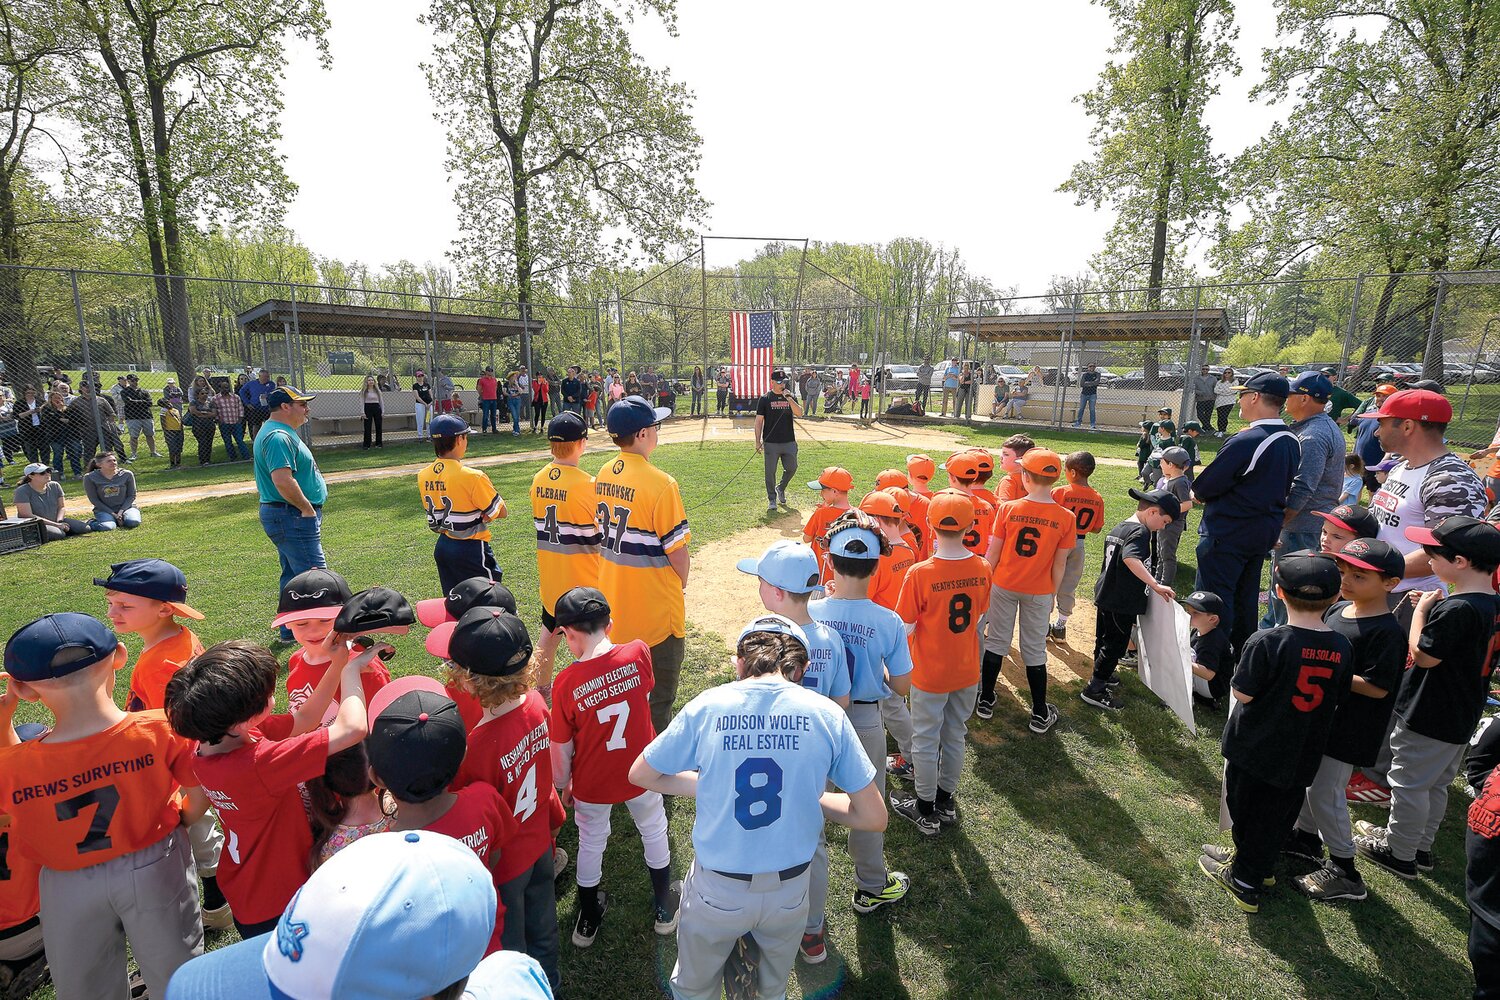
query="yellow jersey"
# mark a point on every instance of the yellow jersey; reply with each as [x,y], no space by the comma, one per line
[460,502]
[642,520]
[564,507]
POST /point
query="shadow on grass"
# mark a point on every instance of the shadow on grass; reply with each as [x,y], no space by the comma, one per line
[1392,938]
[1288,927]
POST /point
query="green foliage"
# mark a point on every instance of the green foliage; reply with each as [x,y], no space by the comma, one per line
[1246,349]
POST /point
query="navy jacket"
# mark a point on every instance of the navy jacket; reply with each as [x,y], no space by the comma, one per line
[1246,485]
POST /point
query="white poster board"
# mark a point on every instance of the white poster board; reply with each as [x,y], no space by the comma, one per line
[1166,659]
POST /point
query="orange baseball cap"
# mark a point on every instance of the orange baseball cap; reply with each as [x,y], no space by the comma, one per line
[985,459]
[963,465]
[920,466]
[1384,389]
[1042,462]
[833,478]
[891,477]
[879,503]
[952,510]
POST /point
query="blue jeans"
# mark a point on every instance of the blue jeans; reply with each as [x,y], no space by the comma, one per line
[298,541]
[1291,541]
[1091,401]
[489,415]
[234,440]
[108,520]
[73,447]
[1231,569]
[513,403]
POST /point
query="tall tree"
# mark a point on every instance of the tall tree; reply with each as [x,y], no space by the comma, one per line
[187,123]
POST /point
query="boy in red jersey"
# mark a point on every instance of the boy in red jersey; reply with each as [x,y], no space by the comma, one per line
[309,604]
[601,721]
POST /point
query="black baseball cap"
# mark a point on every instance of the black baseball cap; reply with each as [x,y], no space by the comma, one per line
[580,604]
[1270,383]
[416,740]
[317,595]
[1468,536]
[1205,601]
[1352,517]
[1168,502]
[1309,576]
[35,651]
[1374,555]
[567,426]
[475,592]
[486,641]
[375,610]
[153,579]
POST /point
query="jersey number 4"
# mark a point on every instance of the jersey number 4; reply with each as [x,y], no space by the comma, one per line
[613,539]
[107,799]
[757,792]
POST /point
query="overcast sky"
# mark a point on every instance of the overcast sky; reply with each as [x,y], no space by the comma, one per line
[830,119]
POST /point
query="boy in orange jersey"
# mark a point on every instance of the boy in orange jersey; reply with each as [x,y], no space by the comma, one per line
[1088,515]
[116,816]
[885,588]
[564,507]
[942,601]
[833,486]
[986,464]
[1012,451]
[963,470]
[1029,551]
[23,964]
[913,503]
[920,469]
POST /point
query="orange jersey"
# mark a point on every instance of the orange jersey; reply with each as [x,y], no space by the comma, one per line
[20,888]
[977,538]
[1029,533]
[817,524]
[987,495]
[944,599]
[1011,488]
[88,801]
[885,586]
[916,519]
[1085,503]
[155,666]
[923,491]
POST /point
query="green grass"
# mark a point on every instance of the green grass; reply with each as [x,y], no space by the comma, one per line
[1071,874]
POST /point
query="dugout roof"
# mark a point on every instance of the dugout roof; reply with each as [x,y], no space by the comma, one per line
[323,319]
[1153,324]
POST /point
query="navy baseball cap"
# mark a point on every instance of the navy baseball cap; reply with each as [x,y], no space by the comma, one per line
[567,426]
[633,414]
[282,395]
[1270,383]
[1168,502]
[153,579]
[1360,521]
[1205,601]
[1374,555]
[579,605]
[787,565]
[58,645]
[1310,576]
[447,425]
[1314,384]
[475,592]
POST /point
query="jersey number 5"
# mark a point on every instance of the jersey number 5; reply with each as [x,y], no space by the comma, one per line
[107,799]
[622,516]
[620,712]
[757,803]
[4,850]
[1310,695]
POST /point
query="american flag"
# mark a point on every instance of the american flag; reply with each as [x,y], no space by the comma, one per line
[751,353]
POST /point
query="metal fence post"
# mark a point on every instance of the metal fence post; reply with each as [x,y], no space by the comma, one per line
[1066,362]
[88,364]
[1359,281]
[1195,341]
[294,363]
[1434,340]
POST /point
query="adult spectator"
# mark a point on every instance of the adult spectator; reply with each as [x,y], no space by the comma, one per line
[1340,399]
[111,492]
[202,417]
[202,385]
[488,389]
[1320,475]
[1088,396]
[700,392]
[139,417]
[924,383]
[93,416]
[1225,395]
[445,387]
[950,384]
[27,411]
[173,394]
[648,382]
[421,395]
[291,488]
[856,381]
[964,404]
[1019,394]
[610,378]
[1204,395]
[1244,491]
[374,406]
[60,437]
[721,389]
[572,391]
[39,497]
[812,392]
[515,400]
[230,414]
[116,394]
[253,394]
[541,394]
[776,437]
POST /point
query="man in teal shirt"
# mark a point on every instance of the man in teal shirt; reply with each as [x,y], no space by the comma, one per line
[291,488]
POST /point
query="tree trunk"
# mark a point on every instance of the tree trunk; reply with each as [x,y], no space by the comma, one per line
[20,346]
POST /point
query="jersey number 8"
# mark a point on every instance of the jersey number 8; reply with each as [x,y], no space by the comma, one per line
[757,804]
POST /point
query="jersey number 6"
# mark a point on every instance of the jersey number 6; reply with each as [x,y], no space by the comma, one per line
[750,794]
[1026,541]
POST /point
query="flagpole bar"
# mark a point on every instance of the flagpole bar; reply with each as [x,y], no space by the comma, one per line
[758,239]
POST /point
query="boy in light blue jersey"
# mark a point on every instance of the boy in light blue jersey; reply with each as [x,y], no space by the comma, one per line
[879,664]
[758,754]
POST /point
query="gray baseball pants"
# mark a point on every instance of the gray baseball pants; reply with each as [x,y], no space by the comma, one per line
[999,624]
[1167,541]
[786,454]
[897,718]
[940,724]
[207,841]
[1422,768]
[817,882]
[867,848]
[1325,811]
[718,910]
[1072,573]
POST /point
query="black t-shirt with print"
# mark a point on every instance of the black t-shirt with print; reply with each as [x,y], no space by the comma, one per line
[1359,725]
[777,409]
[1211,650]
[1444,702]
[423,391]
[1297,678]
[1118,590]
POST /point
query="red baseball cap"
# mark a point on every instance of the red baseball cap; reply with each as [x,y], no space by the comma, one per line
[1413,404]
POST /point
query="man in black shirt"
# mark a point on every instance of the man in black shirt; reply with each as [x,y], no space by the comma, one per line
[776,437]
[573,389]
[138,417]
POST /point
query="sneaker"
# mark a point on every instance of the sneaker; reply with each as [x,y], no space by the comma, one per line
[1378,851]
[1057,633]
[1042,723]
[585,930]
[1113,684]
[1364,828]
[896,884]
[771,508]
[947,812]
[560,861]
[897,766]
[137,986]
[906,806]
[1225,856]
[1361,791]
[1104,699]
[666,916]
[781,497]
[1204,701]
[812,948]
[985,708]
[1129,660]
[1245,898]
[1307,846]
[1329,883]
[220,919]
[1425,862]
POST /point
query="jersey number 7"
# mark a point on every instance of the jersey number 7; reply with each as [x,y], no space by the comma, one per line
[622,517]
[107,799]
[620,712]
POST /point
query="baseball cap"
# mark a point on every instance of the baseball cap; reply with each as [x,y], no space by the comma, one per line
[153,579]
[416,741]
[1270,383]
[378,609]
[36,467]
[1191,425]
[1166,425]
[1468,536]
[580,604]
[779,624]
[447,425]
[891,477]
[284,394]
[984,460]
[1205,601]
[35,651]
[567,426]
[1310,576]
[834,478]
[853,541]
[1042,462]
[487,641]
[1413,404]
[879,503]
[475,592]
[1314,384]
[1176,455]
[1164,409]
[1352,517]
[632,414]
[1385,389]
[317,595]
[962,465]
[1373,554]
[132,377]
[1168,502]
[786,565]
[951,510]
[920,466]
[1385,464]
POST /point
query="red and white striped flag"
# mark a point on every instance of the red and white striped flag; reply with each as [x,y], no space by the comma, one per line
[750,350]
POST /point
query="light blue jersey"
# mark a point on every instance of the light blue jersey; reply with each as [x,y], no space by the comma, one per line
[874,637]
[764,750]
[827,666]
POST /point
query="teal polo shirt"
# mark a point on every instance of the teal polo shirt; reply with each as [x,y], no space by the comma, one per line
[278,446]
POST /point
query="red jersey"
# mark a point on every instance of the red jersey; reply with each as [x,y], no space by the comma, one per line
[885,585]
[480,821]
[155,666]
[20,891]
[84,802]
[254,790]
[1085,503]
[302,677]
[600,706]
[469,709]
[512,753]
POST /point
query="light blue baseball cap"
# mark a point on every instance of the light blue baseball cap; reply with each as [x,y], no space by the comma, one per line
[779,624]
[789,565]
[854,543]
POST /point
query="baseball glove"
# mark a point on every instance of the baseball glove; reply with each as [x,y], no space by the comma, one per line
[742,970]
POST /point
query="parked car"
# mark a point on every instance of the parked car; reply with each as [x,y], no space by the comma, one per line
[901,378]
[1137,380]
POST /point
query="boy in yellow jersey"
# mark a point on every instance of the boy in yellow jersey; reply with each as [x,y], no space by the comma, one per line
[565,510]
[644,571]
[460,505]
